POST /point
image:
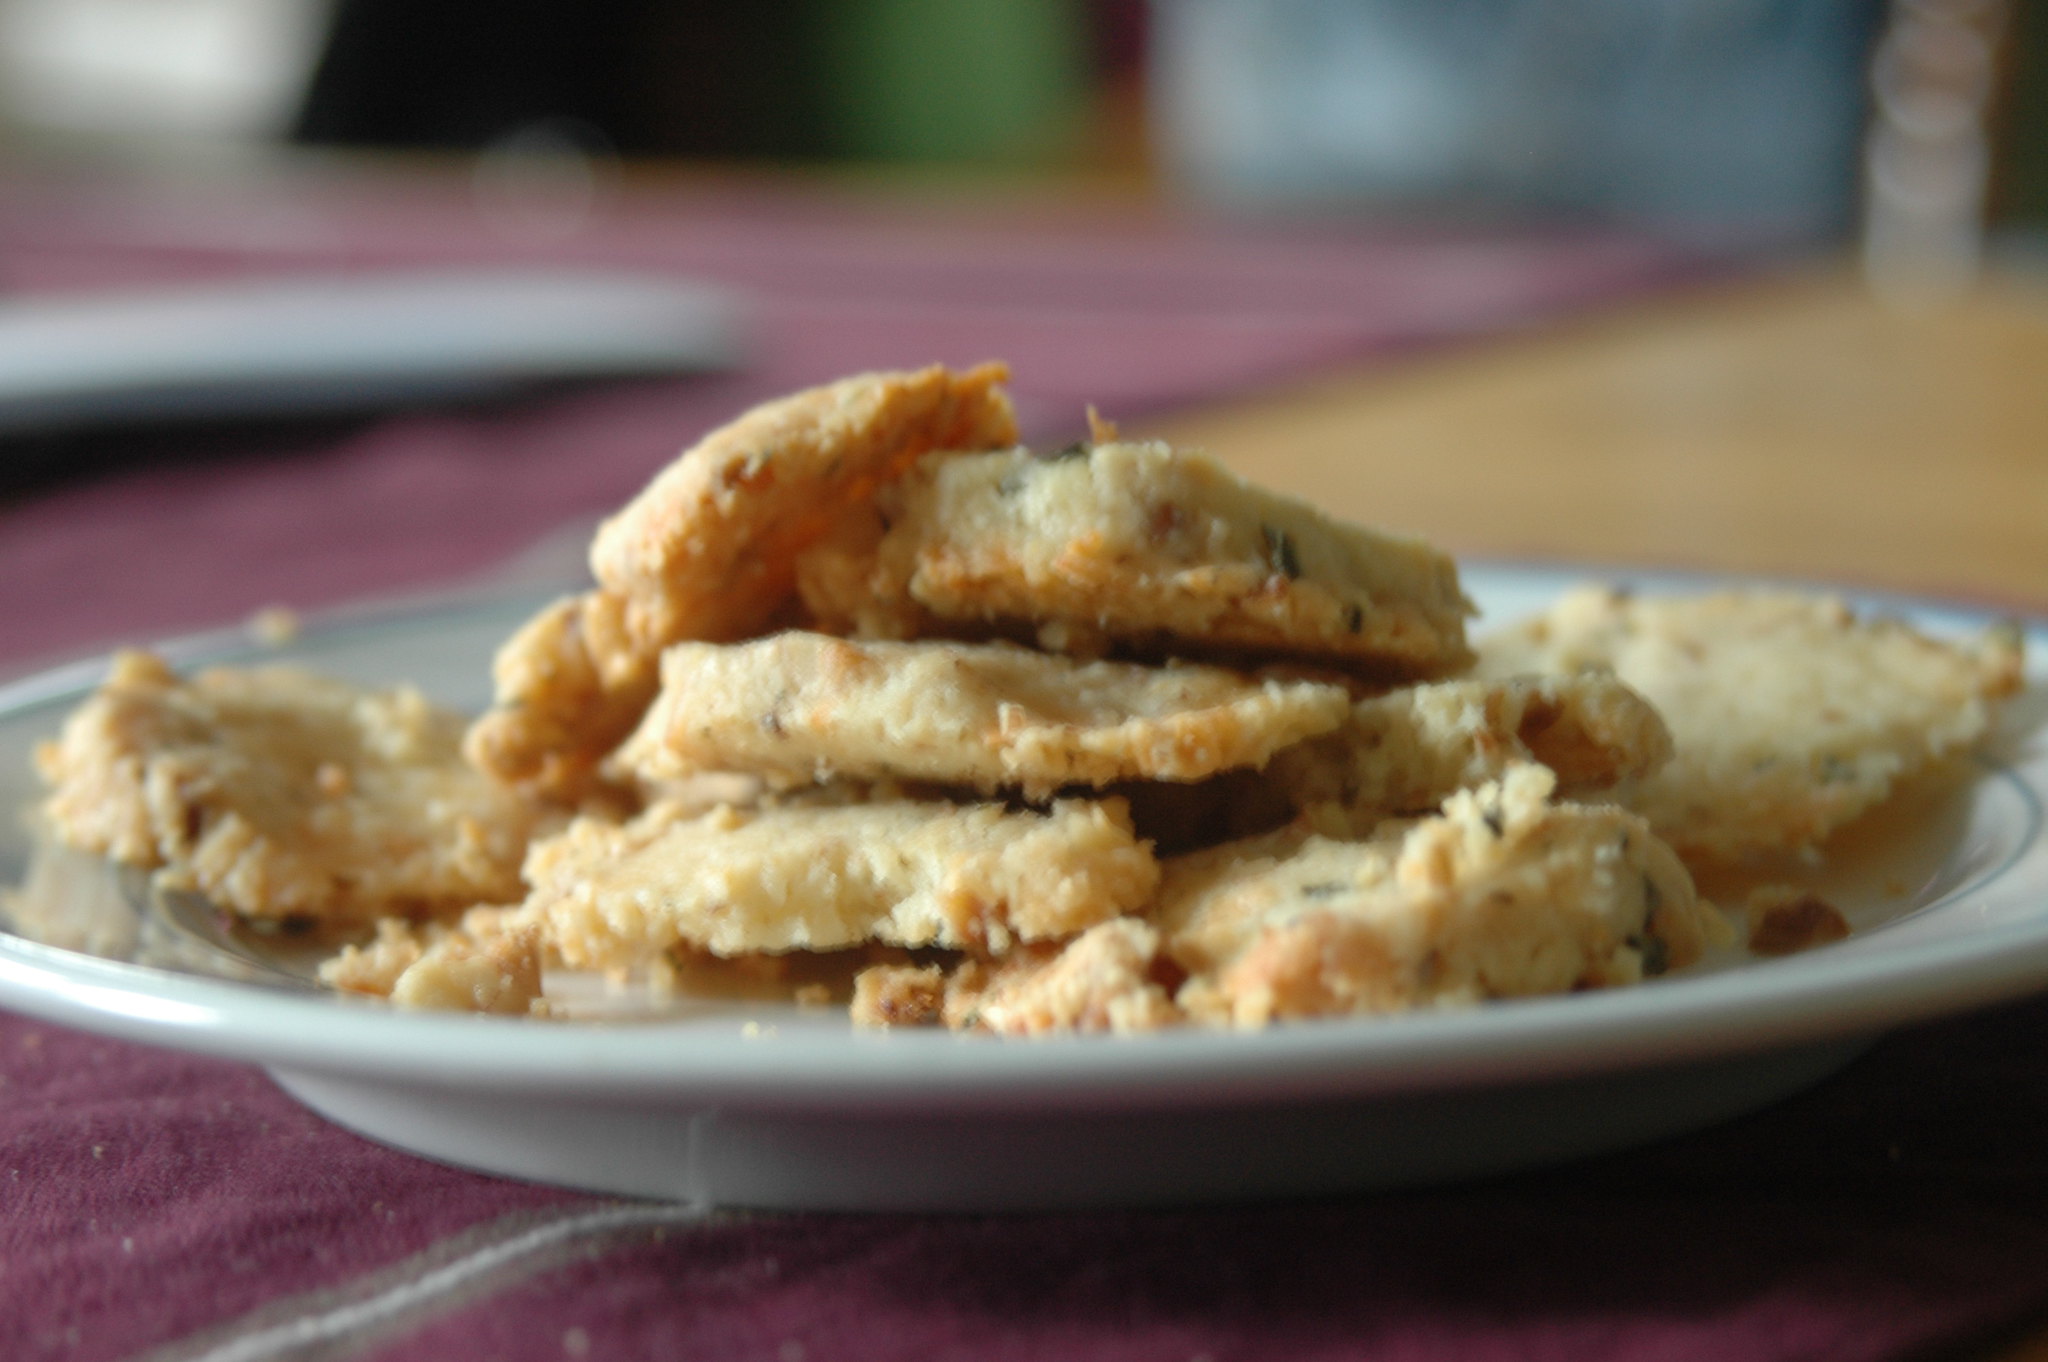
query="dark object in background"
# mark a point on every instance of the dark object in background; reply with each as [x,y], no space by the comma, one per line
[999,82]
[650,77]
[2019,183]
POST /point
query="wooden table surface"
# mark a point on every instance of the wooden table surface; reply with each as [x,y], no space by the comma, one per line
[1791,426]
[1788,426]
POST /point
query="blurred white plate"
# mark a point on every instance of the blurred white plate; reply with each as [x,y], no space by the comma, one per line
[319,344]
[772,1105]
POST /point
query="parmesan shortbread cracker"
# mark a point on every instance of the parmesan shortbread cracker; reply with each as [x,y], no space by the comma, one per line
[707,551]
[798,877]
[800,707]
[1405,752]
[1504,894]
[898,995]
[490,963]
[1134,544]
[1790,715]
[1106,979]
[280,794]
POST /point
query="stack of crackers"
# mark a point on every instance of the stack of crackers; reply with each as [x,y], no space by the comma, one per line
[1097,738]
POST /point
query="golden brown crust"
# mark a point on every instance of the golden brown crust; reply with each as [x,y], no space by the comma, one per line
[567,683]
[707,551]
[1504,894]
[898,995]
[1407,751]
[821,877]
[1789,714]
[499,973]
[801,707]
[1106,979]
[491,963]
[277,793]
[372,967]
[1140,545]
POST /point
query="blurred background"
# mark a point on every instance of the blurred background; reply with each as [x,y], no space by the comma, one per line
[1434,263]
[1771,117]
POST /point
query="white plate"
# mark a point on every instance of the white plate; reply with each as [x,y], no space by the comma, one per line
[342,343]
[770,1105]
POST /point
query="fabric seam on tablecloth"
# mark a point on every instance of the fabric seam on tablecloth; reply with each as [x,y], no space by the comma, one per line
[480,1262]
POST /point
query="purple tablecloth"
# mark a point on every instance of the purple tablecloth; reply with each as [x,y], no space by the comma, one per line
[1117,307]
[150,1200]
